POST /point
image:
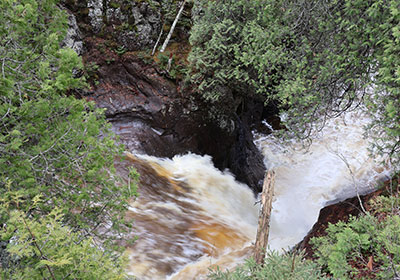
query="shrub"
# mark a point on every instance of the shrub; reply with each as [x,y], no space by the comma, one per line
[44,248]
[52,146]
[351,248]
[276,267]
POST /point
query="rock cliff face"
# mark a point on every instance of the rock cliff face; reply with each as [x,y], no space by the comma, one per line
[73,38]
[135,24]
[149,111]
[153,115]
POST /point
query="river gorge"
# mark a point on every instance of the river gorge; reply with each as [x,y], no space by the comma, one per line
[199,139]
[199,178]
[190,216]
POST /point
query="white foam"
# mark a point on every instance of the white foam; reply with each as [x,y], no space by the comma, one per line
[306,179]
[335,166]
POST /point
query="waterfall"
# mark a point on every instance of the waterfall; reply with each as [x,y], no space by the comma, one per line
[337,165]
[190,216]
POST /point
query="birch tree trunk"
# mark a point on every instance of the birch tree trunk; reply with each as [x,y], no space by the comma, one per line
[173,27]
[158,40]
[264,218]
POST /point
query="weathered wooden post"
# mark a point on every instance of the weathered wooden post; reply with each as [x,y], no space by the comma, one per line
[264,217]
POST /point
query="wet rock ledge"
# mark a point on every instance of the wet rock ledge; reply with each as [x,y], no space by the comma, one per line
[334,213]
[151,114]
[150,111]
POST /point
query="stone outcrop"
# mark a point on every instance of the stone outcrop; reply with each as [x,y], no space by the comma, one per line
[134,25]
[153,115]
[332,214]
[149,111]
[73,38]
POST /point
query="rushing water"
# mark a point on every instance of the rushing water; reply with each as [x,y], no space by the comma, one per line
[336,166]
[190,216]
[187,217]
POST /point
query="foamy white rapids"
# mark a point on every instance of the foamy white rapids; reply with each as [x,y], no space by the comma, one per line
[190,216]
[336,166]
[206,218]
[216,193]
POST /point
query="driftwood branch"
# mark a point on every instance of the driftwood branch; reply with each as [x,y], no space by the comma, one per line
[264,218]
[164,46]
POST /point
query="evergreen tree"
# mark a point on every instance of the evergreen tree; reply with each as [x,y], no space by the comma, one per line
[316,59]
[50,144]
[44,248]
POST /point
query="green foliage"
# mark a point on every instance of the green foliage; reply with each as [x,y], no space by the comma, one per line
[133,178]
[386,205]
[49,141]
[385,103]
[163,60]
[51,144]
[276,267]
[316,59]
[169,10]
[357,240]
[44,248]
[90,70]
[121,50]
[175,70]
[222,37]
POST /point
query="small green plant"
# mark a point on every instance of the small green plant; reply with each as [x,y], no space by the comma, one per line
[178,70]
[163,60]
[90,70]
[121,50]
[114,5]
[132,183]
[289,266]
[349,248]
[109,61]
[386,205]
[169,63]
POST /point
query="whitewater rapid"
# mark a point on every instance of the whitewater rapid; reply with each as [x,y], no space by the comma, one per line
[190,216]
[337,165]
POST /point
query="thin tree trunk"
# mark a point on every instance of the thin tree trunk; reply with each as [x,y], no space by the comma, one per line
[264,218]
[169,62]
[164,46]
[158,40]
